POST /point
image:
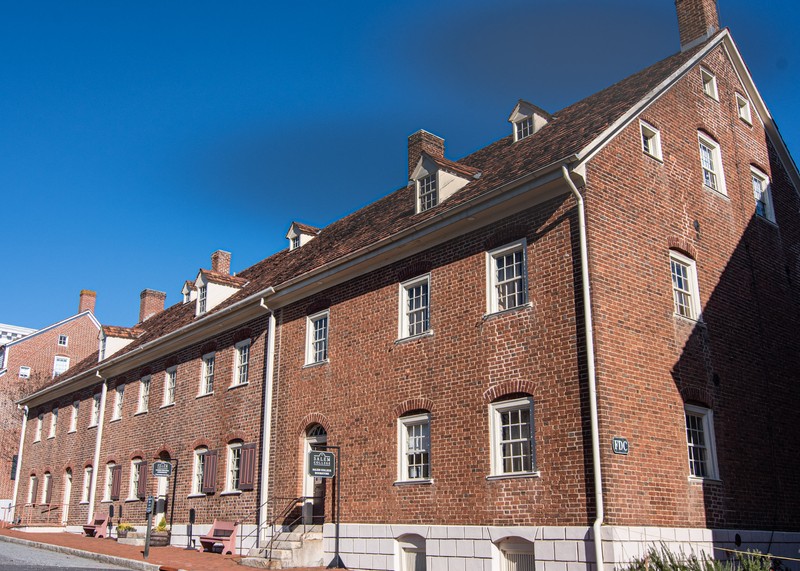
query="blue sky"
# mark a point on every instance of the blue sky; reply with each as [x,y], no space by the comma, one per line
[139,137]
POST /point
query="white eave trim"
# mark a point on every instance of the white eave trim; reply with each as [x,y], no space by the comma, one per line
[54,325]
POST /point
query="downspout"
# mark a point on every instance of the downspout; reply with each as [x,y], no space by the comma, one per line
[25,411]
[97,442]
[266,434]
[587,316]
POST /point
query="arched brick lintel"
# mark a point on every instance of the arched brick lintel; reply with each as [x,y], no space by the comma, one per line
[313,418]
[408,405]
[508,388]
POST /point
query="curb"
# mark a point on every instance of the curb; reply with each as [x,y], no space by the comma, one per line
[101,557]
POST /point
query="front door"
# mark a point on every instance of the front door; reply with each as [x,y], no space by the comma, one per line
[67,494]
[162,490]
[313,488]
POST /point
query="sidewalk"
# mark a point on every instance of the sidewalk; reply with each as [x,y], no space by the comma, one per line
[161,558]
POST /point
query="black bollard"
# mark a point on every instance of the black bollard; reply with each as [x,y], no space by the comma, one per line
[189,530]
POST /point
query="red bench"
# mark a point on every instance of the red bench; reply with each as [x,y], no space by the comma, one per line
[223,532]
[98,529]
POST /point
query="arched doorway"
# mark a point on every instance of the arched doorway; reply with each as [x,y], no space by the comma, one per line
[162,491]
[66,497]
[313,488]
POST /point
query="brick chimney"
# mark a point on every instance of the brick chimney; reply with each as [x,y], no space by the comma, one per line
[221,262]
[697,21]
[152,302]
[423,141]
[87,300]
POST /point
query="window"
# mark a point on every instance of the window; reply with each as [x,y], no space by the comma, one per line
[63,340]
[428,192]
[202,298]
[47,489]
[411,552]
[87,484]
[103,346]
[507,273]
[60,364]
[711,162]
[684,286]
[207,379]
[113,474]
[517,555]
[138,482]
[73,421]
[144,394]
[762,192]
[524,128]
[709,83]
[241,467]
[33,488]
[24,372]
[743,106]
[414,307]
[118,399]
[39,420]
[240,371]
[414,447]
[95,418]
[513,450]
[317,338]
[53,423]
[651,140]
[295,242]
[700,441]
[234,466]
[199,469]
[170,380]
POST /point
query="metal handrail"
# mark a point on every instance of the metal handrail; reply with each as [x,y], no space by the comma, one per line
[32,513]
[274,516]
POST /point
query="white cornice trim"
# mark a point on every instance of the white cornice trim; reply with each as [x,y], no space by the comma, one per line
[54,325]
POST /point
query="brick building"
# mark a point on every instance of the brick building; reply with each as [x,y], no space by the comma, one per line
[573,343]
[30,361]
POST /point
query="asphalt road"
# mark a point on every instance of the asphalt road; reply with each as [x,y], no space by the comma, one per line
[14,557]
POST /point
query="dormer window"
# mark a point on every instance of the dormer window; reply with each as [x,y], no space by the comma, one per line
[202,298]
[295,242]
[300,234]
[428,192]
[524,128]
[527,119]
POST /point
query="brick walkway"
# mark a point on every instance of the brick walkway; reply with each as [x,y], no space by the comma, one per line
[169,558]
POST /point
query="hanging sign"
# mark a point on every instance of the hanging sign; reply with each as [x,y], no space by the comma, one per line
[321,464]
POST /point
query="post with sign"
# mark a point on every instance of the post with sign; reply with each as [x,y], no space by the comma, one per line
[149,525]
[323,464]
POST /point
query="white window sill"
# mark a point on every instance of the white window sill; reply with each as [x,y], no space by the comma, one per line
[230,493]
[168,405]
[139,413]
[115,420]
[37,440]
[73,431]
[717,192]
[196,496]
[51,437]
[510,310]
[654,157]
[699,481]
[428,333]
[106,501]
[536,474]
[316,364]
[127,500]
[92,426]
[237,385]
[420,482]
[83,503]
[201,395]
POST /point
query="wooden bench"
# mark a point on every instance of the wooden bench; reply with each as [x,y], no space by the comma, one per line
[223,532]
[98,529]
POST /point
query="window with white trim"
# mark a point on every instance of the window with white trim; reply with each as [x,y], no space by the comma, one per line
[119,397]
[234,466]
[73,419]
[427,192]
[241,369]
[207,376]
[199,468]
[414,439]
[33,488]
[513,450]
[762,193]
[743,108]
[709,83]
[506,268]
[87,484]
[63,340]
[110,474]
[415,307]
[95,418]
[24,372]
[700,442]
[39,421]
[516,554]
[651,140]
[317,338]
[524,128]
[170,382]
[202,298]
[53,422]
[144,394]
[711,163]
[685,293]
[60,364]
[411,553]
[133,484]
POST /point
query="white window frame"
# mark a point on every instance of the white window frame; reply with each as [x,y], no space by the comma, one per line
[709,83]
[60,359]
[170,385]
[241,369]
[53,422]
[404,319]
[313,352]
[403,425]
[65,340]
[73,420]
[408,549]
[202,299]
[651,140]
[47,481]
[689,288]
[39,421]
[133,480]
[32,481]
[757,174]
[523,128]
[94,420]
[197,470]
[233,468]
[492,298]
[109,481]
[428,191]
[743,108]
[144,395]
[715,155]
[24,372]
[496,410]
[706,416]
[119,399]
[87,484]
[207,372]
[514,547]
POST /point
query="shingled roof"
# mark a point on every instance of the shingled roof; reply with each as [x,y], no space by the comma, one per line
[567,133]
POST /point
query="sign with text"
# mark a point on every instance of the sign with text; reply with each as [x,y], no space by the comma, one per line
[321,464]
[620,445]
[162,469]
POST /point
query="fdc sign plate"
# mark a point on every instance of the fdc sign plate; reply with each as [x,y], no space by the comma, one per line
[321,464]
[162,469]
[620,445]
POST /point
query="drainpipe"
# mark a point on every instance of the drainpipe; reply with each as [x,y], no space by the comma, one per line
[266,434]
[587,316]
[25,411]
[97,443]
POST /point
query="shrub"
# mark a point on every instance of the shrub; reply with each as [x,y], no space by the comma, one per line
[665,560]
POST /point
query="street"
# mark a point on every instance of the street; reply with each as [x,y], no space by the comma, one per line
[14,557]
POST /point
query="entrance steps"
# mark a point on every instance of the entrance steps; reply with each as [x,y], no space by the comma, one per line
[300,547]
